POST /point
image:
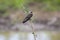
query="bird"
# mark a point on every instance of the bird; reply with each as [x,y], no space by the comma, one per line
[28,17]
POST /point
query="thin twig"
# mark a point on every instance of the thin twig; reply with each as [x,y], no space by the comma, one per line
[33,32]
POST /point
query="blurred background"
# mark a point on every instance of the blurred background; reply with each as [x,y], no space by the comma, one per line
[44,24]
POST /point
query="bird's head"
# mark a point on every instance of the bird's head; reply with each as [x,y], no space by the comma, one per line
[30,12]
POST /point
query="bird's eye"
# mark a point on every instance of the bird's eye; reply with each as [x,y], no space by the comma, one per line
[31,12]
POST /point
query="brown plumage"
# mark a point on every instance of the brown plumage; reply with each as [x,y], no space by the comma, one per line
[28,17]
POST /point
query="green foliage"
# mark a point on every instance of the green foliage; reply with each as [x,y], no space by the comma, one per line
[50,4]
[5,3]
[12,3]
[19,4]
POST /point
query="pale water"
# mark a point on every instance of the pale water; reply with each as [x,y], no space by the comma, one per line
[25,36]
